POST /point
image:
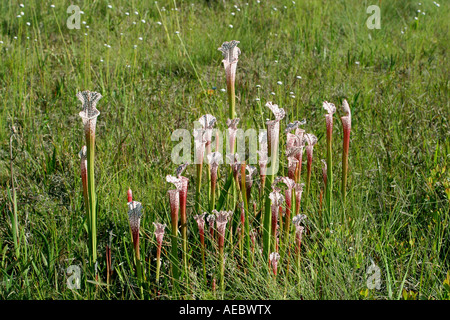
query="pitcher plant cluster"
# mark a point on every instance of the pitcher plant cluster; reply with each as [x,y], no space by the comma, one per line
[249,207]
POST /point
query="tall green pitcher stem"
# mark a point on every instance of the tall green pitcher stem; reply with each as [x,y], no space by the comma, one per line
[232,101]
[92,198]
[329,193]
[331,109]
[174,256]
[199,186]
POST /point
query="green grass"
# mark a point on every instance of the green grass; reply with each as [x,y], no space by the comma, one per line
[397,207]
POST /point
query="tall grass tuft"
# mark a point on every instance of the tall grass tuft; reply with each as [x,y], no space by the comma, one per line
[13,196]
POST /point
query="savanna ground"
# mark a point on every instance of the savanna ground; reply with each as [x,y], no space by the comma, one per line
[154,80]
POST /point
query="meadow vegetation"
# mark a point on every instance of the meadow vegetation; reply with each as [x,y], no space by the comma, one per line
[158,69]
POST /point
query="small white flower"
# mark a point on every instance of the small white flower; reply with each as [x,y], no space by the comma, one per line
[423,13]
[22,13]
[1,42]
[19,16]
[272,93]
[418,11]
[135,46]
[159,23]
[257,99]
[274,9]
[258,86]
[15,38]
[223,90]
[230,26]
[298,77]
[28,24]
[143,21]
[357,62]
[292,96]
[21,5]
[87,27]
[81,12]
[140,38]
[85,34]
[134,22]
[83,22]
[177,32]
[127,13]
[136,13]
[276,61]
[279,83]
[109,6]
[291,92]
[233,13]
[52,6]
[101,60]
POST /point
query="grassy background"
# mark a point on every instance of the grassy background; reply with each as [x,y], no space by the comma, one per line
[395,79]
